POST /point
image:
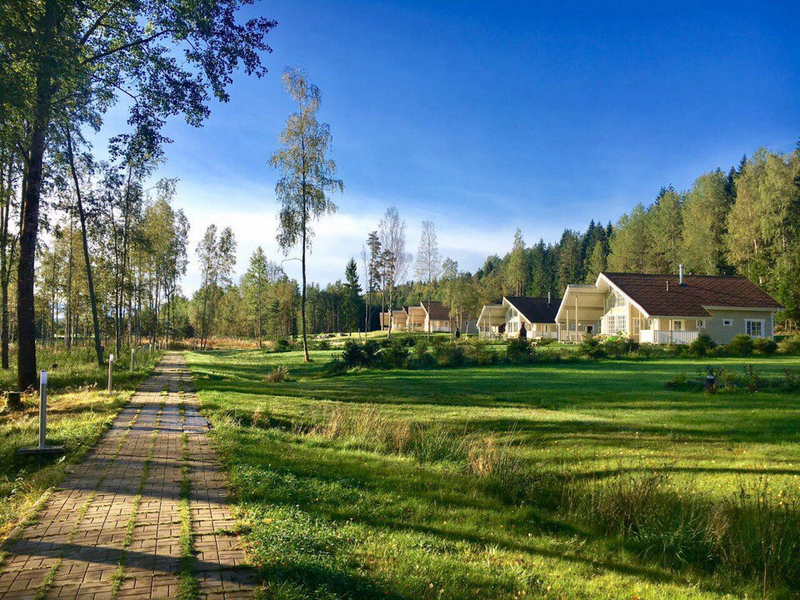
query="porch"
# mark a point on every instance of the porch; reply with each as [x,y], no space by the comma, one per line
[580,312]
[664,336]
[492,321]
[416,318]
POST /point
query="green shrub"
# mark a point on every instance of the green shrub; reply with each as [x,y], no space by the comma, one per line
[422,358]
[449,355]
[370,349]
[323,345]
[591,348]
[740,345]
[407,341]
[479,350]
[765,346]
[353,355]
[518,350]
[620,346]
[546,341]
[790,345]
[751,379]
[791,380]
[701,345]
[395,356]
[283,345]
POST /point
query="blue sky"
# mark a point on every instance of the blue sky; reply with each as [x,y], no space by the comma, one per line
[488,116]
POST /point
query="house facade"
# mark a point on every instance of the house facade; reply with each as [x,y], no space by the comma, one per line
[427,317]
[506,319]
[666,309]
[397,319]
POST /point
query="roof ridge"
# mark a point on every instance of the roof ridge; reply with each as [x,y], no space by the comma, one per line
[675,275]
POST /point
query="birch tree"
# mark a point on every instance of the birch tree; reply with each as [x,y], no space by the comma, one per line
[395,262]
[429,262]
[307,176]
[217,256]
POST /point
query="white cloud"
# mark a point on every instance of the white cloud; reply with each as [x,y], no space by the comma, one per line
[251,212]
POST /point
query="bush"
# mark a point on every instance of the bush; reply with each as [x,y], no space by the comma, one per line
[407,341]
[353,355]
[370,349]
[740,345]
[283,345]
[518,350]
[591,348]
[619,347]
[702,345]
[278,374]
[765,346]
[323,345]
[545,341]
[479,351]
[790,345]
[449,355]
[422,358]
[395,356]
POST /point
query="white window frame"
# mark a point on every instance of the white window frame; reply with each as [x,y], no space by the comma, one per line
[727,322]
[748,323]
[677,325]
[700,323]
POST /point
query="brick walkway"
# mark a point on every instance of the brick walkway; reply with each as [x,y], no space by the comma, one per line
[122,523]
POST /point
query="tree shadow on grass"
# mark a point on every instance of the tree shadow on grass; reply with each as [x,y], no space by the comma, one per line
[375,480]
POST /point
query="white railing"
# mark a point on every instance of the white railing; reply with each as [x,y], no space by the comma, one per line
[663,336]
[543,334]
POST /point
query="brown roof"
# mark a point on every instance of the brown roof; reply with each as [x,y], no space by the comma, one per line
[688,300]
[436,311]
[536,310]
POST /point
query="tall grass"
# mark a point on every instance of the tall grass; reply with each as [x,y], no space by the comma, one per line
[753,533]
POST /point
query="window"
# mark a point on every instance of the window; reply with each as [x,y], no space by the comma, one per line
[754,328]
[677,325]
[616,324]
[615,299]
[701,323]
[727,322]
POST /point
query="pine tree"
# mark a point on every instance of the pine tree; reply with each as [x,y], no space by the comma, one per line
[596,262]
[518,269]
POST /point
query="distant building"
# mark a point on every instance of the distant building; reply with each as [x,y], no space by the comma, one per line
[506,318]
[431,317]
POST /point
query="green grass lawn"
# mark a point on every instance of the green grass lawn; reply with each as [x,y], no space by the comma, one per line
[79,412]
[375,484]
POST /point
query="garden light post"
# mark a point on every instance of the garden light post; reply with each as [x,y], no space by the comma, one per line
[110,372]
[42,410]
[42,448]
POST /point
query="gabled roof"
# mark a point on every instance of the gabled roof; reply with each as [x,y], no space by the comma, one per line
[536,310]
[436,311]
[694,298]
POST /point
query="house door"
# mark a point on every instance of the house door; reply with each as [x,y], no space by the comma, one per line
[590,330]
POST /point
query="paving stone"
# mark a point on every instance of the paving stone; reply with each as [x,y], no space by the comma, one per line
[83,527]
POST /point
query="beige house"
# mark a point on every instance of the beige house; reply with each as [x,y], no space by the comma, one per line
[399,320]
[430,317]
[666,309]
[507,318]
